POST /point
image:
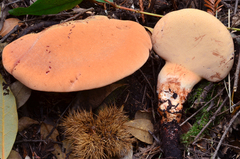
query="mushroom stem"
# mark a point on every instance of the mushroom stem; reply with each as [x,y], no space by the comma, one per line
[174,84]
[170,139]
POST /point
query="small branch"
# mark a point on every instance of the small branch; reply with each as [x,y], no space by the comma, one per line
[202,106]
[80,12]
[211,140]
[8,34]
[59,119]
[34,141]
[142,9]
[147,81]
[235,85]
[209,122]
[235,8]
[224,134]
[203,95]
[235,29]
[132,10]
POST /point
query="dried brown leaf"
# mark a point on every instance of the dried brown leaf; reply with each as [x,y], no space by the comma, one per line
[139,128]
[14,155]
[93,98]
[59,153]
[212,6]
[143,115]
[46,129]
[21,93]
[25,122]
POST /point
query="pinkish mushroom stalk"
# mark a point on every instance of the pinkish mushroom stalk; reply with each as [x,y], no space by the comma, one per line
[195,46]
[174,84]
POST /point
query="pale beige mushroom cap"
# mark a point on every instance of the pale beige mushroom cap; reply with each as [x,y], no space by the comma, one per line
[195,40]
[78,55]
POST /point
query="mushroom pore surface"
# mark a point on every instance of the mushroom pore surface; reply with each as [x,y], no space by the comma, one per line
[78,55]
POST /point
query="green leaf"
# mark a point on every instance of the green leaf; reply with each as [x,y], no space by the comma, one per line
[44,7]
[8,120]
[102,1]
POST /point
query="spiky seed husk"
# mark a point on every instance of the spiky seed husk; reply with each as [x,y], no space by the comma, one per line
[98,137]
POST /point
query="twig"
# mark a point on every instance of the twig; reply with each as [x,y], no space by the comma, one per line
[228,6]
[3,16]
[152,3]
[203,94]
[235,85]
[132,10]
[22,141]
[233,106]
[236,6]
[209,122]
[228,90]
[37,26]
[235,147]
[202,107]
[8,34]
[155,138]
[142,9]
[224,134]
[235,29]
[153,69]
[14,3]
[58,120]
[147,81]
[144,93]
[80,12]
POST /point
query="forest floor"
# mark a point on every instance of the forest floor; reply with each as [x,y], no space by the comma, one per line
[203,130]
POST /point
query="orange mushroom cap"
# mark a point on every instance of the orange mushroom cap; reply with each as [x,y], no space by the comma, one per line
[78,55]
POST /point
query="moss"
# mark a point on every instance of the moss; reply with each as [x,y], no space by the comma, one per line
[201,120]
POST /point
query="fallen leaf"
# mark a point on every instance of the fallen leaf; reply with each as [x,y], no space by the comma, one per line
[21,93]
[149,28]
[8,120]
[186,127]
[139,129]
[14,155]
[141,114]
[58,152]
[8,25]
[2,45]
[46,129]
[94,97]
[67,149]
[25,122]
[129,155]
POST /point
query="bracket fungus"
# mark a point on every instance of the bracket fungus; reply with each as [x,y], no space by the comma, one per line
[196,46]
[78,55]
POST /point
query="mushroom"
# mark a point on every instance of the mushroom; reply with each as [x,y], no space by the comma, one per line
[78,55]
[196,46]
